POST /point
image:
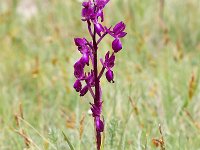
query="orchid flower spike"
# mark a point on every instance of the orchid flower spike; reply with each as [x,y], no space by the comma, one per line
[92,13]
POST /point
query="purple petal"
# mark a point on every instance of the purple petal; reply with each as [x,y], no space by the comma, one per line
[109,75]
[87,12]
[111,61]
[78,85]
[79,41]
[119,27]
[79,69]
[99,28]
[101,3]
[85,58]
[99,125]
[116,45]
[122,34]
[85,4]
[83,49]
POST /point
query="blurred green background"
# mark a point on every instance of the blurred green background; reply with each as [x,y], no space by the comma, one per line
[156,76]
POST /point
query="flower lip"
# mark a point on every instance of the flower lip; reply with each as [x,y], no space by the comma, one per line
[78,85]
[79,69]
[116,45]
[85,58]
[110,76]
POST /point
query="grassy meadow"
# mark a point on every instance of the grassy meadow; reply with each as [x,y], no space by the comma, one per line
[156,77]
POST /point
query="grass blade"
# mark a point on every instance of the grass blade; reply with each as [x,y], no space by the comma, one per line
[68,142]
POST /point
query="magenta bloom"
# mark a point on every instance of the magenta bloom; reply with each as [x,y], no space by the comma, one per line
[109,60]
[118,30]
[117,33]
[92,14]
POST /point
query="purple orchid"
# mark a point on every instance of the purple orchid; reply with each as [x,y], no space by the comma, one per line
[117,33]
[92,14]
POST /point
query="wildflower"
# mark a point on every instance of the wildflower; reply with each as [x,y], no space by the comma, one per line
[81,43]
[88,10]
[92,14]
[117,33]
[118,30]
[109,60]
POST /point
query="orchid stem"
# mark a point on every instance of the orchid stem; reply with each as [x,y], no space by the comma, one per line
[97,99]
[101,72]
[95,68]
[101,38]
[90,89]
[89,28]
